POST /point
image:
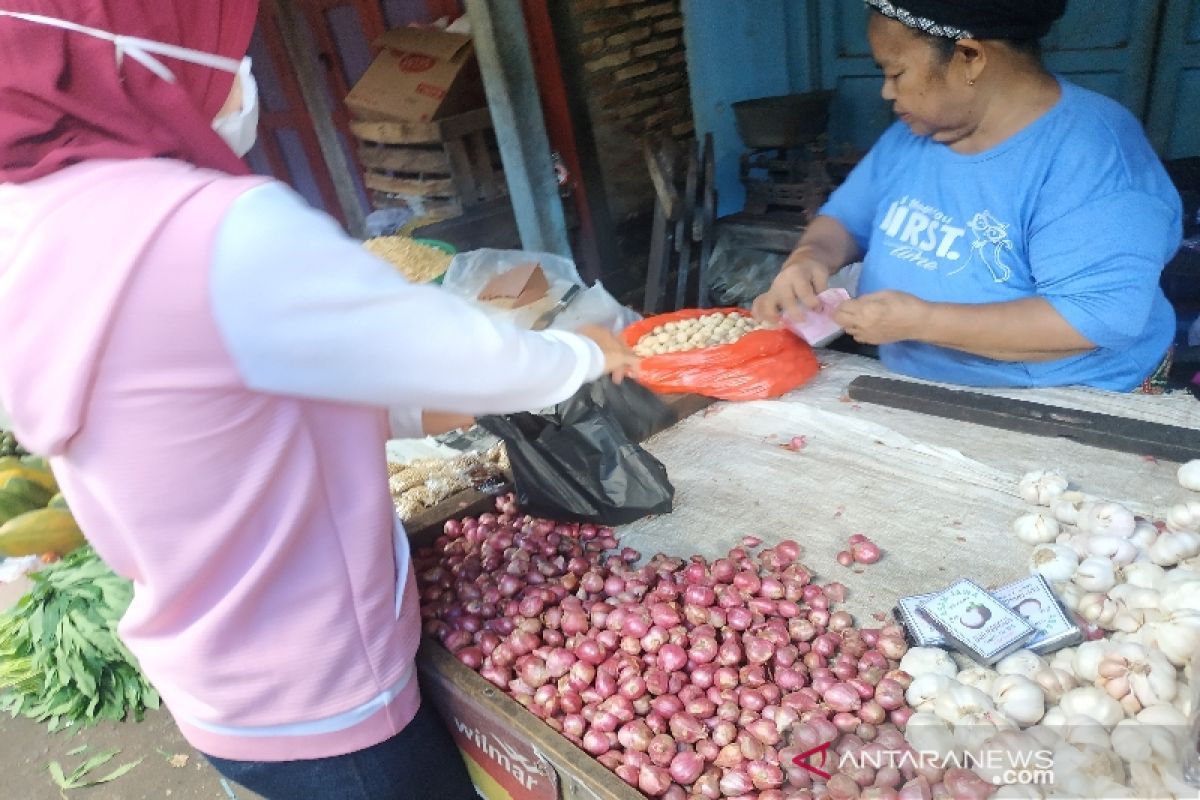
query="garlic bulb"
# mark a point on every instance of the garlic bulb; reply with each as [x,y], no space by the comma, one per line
[1136,606]
[1067,507]
[1171,547]
[1065,660]
[1043,734]
[924,689]
[1095,574]
[927,733]
[919,660]
[1086,663]
[980,678]
[1055,720]
[1087,771]
[1142,573]
[974,729]
[1081,730]
[1097,609]
[1133,741]
[1144,534]
[997,752]
[1021,662]
[1136,677]
[1177,639]
[1118,550]
[1077,541]
[1107,518]
[1054,562]
[956,702]
[1184,516]
[1071,595]
[1040,487]
[1020,699]
[1159,778]
[1092,702]
[1036,528]
[1055,682]
[1165,715]
[1189,475]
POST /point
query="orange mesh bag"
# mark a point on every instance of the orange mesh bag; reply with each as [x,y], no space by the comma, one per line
[760,365]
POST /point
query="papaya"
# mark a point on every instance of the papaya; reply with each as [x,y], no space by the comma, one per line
[34,468]
[14,504]
[25,491]
[46,530]
[58,501]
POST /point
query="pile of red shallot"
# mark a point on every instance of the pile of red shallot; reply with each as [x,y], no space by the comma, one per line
[687,679]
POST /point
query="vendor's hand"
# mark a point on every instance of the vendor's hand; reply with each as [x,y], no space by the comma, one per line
[882,317]
[800,280]
[619,360]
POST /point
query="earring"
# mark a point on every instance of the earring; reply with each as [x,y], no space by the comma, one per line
[970,83]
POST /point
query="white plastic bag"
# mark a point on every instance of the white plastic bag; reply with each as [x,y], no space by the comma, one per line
[469,272]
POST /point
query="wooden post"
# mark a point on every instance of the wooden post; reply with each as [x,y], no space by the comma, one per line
[502,47]
[313,87]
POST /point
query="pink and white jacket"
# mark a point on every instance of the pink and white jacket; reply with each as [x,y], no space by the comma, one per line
[209,364]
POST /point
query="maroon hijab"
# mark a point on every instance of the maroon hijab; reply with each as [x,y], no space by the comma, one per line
[64,100]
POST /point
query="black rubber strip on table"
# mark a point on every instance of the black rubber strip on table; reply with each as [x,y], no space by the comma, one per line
[1168,442]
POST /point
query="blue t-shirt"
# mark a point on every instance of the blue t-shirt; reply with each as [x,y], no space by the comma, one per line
[1076,208]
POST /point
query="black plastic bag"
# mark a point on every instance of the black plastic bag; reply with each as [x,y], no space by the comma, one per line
[583,461]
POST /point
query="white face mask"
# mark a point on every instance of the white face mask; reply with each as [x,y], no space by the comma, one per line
[240,129]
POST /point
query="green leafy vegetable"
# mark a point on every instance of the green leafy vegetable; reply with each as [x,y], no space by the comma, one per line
[61,661]
[79,778]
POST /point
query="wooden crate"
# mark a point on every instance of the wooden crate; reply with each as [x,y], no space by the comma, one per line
[449,166]
[511,754]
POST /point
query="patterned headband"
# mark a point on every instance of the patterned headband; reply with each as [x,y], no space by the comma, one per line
[925,24]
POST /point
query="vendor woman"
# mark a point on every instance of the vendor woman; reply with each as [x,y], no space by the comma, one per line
[1012,225]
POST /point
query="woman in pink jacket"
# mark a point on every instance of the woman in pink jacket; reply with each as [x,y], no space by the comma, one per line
[212,367]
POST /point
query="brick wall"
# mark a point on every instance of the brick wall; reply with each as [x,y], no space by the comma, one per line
[637,85]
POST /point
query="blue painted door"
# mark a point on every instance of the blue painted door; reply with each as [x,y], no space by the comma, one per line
[1105,45]
[1173,121]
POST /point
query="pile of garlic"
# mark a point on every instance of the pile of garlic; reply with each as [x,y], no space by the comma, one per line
[1113,713]
[709,330]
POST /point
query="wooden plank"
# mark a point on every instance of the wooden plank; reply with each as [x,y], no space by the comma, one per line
[1168,442]
[397,132]
[443,187]
[316,99]
[683,229]
[502,49]
[662,176]
[461,125]
[438,667]
[404,159]
[708,217]
[461,173]
[659,261]
[484,173]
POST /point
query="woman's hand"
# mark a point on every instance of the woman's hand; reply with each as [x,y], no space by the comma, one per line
[619,360]
[800,280]
[883,317]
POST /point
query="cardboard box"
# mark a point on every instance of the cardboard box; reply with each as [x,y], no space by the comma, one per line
[421,75]
[518,287]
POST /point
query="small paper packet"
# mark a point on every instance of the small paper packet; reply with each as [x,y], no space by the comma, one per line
[976,623]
